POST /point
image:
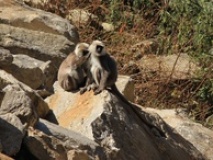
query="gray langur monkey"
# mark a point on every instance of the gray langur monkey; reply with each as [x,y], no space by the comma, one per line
[72,71]
[103,68]
[103,71]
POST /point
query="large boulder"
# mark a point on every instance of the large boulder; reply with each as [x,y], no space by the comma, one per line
[21,100]
[74,142]
[12,133]
[200,136]
[37,33]
[26,70]
[120,128]
[175,67]
[19,103]
[33,72]
[62,101]
[43,146]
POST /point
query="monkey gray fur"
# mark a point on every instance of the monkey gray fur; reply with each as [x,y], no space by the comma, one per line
[72,71]
[103,72]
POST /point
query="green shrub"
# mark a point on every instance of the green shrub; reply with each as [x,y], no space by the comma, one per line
[190,24]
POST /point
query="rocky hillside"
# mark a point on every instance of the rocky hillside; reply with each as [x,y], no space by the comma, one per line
[39,120]
[140,32]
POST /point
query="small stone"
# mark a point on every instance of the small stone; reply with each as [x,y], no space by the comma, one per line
[108,27]
[6,57]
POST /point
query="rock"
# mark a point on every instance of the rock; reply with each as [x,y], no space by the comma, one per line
[72,141]
[20,99]
[62,100]
[125,85]
[78,155]
[7,79]
[43,146]
[26,70]
[12,133]
[148,46]
[23,16]
[20,104]
[36,33]
[5,157]
[35,3]
[120,128]
[35,44]
[176,66]
[108,27]
[198,135]
[6,57]
[209,121]
[40,75]
[80,16]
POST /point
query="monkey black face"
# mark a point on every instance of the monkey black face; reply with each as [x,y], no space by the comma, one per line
[85,52]
[99,49]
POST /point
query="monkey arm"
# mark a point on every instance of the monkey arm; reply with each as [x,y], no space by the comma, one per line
[103,81]
[89,83]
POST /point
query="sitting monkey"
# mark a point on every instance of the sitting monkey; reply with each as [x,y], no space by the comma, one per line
[72,71]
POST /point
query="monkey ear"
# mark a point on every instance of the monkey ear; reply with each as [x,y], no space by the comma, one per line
[99,48]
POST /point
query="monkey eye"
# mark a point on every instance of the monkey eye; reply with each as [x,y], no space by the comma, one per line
[85,52]
[99,48]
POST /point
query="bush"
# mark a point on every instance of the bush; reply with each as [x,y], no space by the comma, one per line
[189,25]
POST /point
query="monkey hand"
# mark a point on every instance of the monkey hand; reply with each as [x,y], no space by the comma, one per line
[82,90]
[97,91]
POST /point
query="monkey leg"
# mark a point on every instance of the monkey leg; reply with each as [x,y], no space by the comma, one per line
[103,83]
[82,90]
[90,84]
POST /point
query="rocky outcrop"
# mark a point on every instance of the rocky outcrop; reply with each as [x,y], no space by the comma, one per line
[20,104]
[119,128]
[18,98]
[43,146]
[65,125]
[26,67]
[72,141]
[20,107]
[200,136]
[12,133]
[39,74]
[62,103]
[36,33]
[33,43]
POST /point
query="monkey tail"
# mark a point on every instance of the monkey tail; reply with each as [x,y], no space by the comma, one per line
[114,90]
